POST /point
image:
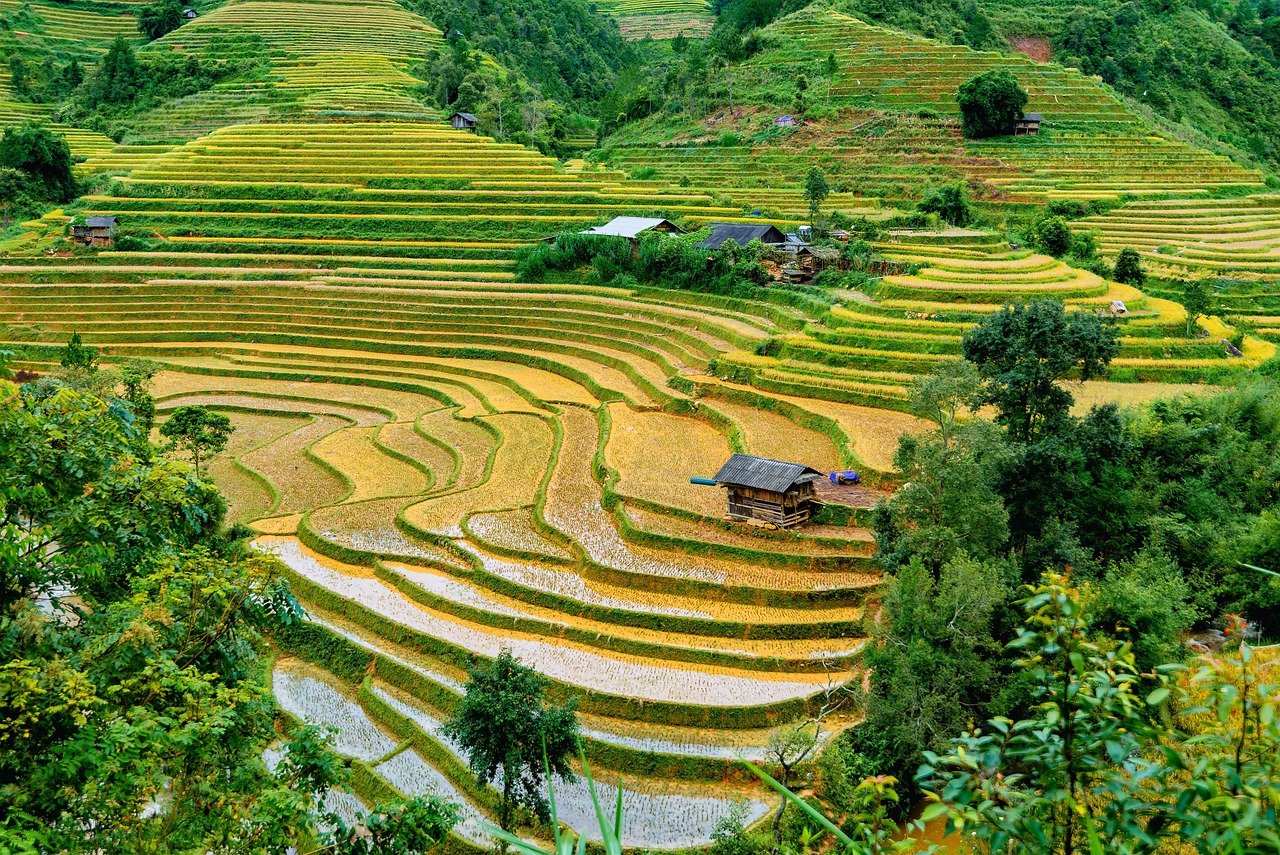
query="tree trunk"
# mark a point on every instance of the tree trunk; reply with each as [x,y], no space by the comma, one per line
[777,817]
[732,114]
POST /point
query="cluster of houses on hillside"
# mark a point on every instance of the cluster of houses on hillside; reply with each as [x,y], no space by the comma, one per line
[804,258]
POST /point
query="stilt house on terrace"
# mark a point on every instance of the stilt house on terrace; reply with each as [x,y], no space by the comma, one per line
[1028,125]
[771,491]
[96,231]
[463,121]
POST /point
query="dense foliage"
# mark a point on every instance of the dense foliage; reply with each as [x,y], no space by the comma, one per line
[990,103]
[134,700]
[659,261]
[511,735]
[36,166]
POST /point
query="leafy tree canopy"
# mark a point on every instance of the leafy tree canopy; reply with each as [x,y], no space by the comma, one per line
[510,734]
[990,103]
[44,158]
[197,430]
[1022,352]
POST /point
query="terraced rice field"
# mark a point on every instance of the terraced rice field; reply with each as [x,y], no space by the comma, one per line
[1234,243]
[659,19]
[1090,146]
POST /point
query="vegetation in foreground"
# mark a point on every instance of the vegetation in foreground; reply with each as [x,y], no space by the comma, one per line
[134,704]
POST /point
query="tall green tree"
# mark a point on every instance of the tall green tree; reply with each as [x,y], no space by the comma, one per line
[197,430]
[816,190]
[990,103]
[508,731]
[44,157]
[120,77]
[1129,267]
[1197,300]
[1024,350]
[160,18]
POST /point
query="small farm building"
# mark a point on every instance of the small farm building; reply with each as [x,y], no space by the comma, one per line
[786,121]
[463,122]
[743,234]
[771,491]
[96,231]
[188,13]
[1028,125]
[632,227]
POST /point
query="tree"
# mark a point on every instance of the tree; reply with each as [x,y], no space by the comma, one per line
[119,77]
[1053,235]
[43,156]
[160,18]
[507,729]
[1099,767]
[135,376]
[76,355]
[1197,299]
[934,660]
[13,193]
[950,202]
[18,75]
[816,190]
[990,103]
[831,67]
[679,43]
[802,86]
[1022,352]
[1129,268]
[133,715]
[197,430]
[940,395]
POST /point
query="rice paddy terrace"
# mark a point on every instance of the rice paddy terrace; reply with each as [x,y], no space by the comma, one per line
[659,19]
[449,461]
[1233,242]
[899,130]
[81,34]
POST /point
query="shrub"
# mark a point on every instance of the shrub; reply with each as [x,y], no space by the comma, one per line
[1129,267]
[990,103]
[950,202]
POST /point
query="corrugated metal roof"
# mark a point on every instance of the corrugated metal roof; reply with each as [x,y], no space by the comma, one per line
[100,222]
[1032,117]
[467,116]
[761,473]
[743,233]
[628,227]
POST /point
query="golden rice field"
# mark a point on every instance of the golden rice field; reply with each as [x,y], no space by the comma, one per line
[448,461]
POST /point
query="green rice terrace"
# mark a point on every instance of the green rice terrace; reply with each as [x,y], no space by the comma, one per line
[450,461]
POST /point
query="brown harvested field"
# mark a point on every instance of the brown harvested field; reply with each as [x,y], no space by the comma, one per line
[747,537]
[472,443]
[657,453]
[874,432]
[514,529]
[247,496]
[404,438]
[303,483]
[769,434]
[518,468]
[371,527]
[1102,392]
[374,473]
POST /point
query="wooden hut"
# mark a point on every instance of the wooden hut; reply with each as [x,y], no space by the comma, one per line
[743,233]
[463,122]
[771,491]
[96,231]
[189,14]
[1028,125]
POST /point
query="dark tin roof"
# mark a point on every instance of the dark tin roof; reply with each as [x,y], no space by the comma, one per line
[743,233]
[100,222]
[743,470]
[467,116]
[1032,117]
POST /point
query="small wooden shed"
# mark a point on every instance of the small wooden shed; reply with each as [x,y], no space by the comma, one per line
[95,231]
[1028,125]
[771,491]
[189,14]
[463,122]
